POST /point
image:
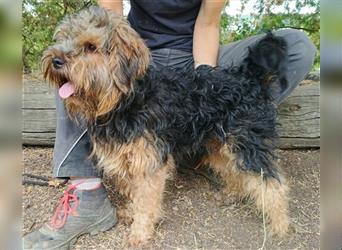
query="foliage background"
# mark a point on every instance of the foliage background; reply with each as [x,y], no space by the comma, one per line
[41,16]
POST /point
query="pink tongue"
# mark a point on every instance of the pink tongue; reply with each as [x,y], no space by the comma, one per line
[66,90]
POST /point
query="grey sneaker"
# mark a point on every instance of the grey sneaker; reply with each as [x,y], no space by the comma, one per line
[79,212]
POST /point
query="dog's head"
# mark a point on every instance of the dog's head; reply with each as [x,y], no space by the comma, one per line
[94,62]
[267,62]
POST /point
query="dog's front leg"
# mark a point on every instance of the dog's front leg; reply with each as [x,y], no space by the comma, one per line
[140,173]
[146,194]
[148,174]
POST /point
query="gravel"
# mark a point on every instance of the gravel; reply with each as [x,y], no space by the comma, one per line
[194,218]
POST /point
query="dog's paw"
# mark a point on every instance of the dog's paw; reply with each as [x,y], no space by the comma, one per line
[280,227]
[138,239]
[227,198]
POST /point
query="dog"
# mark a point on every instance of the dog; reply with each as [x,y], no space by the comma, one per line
[142,120]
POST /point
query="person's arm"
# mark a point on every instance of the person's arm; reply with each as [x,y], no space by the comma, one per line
[207,33]
[114,5]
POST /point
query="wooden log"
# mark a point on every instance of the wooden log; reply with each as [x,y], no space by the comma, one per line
[39,113]
[298,116]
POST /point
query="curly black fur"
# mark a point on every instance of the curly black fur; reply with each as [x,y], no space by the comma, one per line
[186,109]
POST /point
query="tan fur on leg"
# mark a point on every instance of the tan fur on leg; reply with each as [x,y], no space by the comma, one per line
[247,184]
[147,194]
[275,197]
[125,214]
[123,161]
[139,173]
[222,161]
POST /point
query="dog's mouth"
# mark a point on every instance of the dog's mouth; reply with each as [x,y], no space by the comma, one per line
[66,90]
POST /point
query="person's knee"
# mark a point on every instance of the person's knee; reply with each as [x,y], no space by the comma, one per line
[299,43]
[303,38]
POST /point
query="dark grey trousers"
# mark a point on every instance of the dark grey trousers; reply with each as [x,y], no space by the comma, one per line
[72,142]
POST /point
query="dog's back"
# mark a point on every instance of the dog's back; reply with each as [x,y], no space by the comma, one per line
[186,109]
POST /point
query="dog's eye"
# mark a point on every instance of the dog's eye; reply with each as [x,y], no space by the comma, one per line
[89,47]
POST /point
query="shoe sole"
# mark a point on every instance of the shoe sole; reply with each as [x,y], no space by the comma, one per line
[103,225]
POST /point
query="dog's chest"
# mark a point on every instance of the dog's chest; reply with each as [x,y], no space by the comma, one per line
[127,159]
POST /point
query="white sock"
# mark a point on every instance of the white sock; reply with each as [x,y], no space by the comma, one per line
[87,183]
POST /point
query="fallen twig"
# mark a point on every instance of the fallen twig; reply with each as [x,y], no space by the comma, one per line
[38,180]
[44,178]
[34,182]
[263,211]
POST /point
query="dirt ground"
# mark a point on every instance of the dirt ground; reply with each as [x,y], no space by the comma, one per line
[194,219]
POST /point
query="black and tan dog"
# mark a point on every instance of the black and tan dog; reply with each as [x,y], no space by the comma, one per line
[141,120]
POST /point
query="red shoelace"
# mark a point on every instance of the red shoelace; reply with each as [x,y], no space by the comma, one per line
[65,208]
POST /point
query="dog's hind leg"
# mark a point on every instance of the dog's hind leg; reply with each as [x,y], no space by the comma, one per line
[269,194]
[222,161]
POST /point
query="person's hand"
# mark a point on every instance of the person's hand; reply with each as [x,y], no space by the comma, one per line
[112,5]
[202,68]
[208,75]
[203,64]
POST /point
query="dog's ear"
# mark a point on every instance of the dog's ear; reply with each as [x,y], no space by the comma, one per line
[129,56]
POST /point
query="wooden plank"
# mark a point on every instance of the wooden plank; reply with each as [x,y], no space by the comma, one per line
[39,139]
[39,120]
[37,95]
[291,143]
[298,116]
[39,114]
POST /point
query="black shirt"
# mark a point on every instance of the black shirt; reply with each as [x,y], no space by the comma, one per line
[165,23]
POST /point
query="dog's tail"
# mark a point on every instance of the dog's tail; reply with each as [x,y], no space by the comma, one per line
[267,62]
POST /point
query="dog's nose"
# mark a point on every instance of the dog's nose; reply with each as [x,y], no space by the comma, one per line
[57,62]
